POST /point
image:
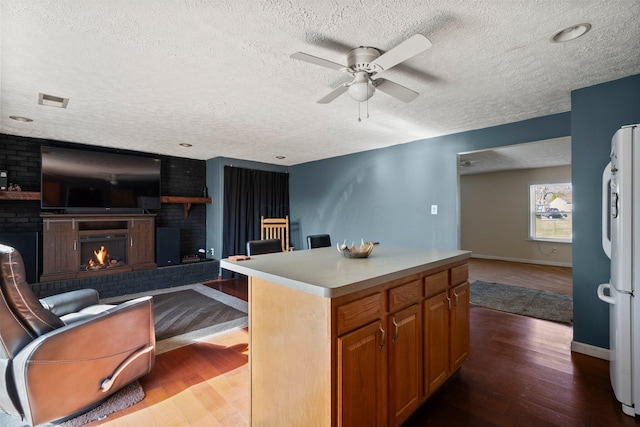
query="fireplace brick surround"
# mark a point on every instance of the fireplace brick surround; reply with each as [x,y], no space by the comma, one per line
[113,285]
[20,156]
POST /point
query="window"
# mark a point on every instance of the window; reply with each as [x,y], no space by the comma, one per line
[550,212]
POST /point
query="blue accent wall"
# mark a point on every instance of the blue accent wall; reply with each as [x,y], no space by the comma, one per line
[386,195]
[597,112]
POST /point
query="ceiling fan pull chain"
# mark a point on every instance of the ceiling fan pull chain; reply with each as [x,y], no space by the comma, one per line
[359,120]
[367,108]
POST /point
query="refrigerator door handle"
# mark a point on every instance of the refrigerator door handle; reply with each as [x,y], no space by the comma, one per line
[606,191]
[606,298]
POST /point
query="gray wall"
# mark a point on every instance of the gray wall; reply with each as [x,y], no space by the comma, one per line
[596,113]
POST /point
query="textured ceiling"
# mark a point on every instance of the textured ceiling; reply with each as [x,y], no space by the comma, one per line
[148,75]
[540,154]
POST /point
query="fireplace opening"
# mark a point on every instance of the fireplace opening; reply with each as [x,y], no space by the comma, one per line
[103,251]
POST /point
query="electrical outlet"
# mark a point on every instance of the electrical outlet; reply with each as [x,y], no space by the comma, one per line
[554,250]
[434,209]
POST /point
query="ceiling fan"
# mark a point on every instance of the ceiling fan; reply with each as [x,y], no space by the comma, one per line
[365,63]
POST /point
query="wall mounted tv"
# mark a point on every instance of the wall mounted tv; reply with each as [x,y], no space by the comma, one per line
[83,181]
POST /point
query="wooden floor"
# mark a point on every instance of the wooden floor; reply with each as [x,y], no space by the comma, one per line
[521,372]
[534,276]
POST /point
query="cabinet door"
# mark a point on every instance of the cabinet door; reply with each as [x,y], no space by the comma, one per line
[60,248]
[459,318]
[141,241]
[436,342]
[405,350]
[362,379]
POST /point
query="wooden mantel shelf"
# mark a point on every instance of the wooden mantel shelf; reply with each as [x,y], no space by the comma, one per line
[35,195]
[186,201]
[19,195]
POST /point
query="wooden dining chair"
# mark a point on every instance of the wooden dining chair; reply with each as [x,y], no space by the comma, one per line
[276,228]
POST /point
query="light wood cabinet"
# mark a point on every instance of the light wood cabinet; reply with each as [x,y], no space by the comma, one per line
[362,367]
[367,358]
[446,327]
[459,322]
[405,360]
[436,339]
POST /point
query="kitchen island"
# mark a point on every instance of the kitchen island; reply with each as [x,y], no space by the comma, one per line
[352,342]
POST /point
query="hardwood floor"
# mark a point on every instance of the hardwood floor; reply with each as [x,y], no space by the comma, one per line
[520,372]
[534,276]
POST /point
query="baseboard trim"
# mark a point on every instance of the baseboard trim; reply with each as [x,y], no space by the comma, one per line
[525,261]
[590,350]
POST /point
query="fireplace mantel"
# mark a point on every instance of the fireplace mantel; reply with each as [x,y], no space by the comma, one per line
[64,235]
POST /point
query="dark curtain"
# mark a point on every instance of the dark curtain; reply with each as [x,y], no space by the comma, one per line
[249,194]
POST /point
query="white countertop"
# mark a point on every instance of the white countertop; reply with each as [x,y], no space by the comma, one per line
[326,273]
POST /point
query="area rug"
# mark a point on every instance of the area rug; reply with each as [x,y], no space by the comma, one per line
[527,302]
[123,398]
[186,314]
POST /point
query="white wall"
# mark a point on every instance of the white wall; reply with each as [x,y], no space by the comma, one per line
[494,216]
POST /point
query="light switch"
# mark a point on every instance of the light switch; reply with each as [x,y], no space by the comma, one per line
[434,209]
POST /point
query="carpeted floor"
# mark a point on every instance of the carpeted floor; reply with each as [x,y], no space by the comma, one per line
[527,302]
[123,398]
[185,314]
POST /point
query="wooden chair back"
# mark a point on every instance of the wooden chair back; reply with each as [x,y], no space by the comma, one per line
[275,228]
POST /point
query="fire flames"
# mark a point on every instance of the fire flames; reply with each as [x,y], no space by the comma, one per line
[100,259]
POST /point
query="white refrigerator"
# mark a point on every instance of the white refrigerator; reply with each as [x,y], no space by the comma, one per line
[621,242]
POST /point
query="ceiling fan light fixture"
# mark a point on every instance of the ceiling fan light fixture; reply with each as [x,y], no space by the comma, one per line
[570,33]
[361,91]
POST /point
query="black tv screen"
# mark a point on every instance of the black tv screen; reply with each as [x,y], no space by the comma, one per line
[90,181]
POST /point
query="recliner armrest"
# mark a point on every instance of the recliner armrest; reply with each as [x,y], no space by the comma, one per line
[78,358]
[70,302]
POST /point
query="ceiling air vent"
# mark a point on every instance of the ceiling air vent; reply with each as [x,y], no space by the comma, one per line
[52,101]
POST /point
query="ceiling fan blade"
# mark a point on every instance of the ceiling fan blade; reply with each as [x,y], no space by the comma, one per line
[405,50]
[334,94]
[315,60]
[395,90]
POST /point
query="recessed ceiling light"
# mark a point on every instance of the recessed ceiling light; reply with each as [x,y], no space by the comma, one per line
[184,144]
[570,33]
[21,119]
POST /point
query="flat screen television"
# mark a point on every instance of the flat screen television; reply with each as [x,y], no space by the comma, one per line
[83,181]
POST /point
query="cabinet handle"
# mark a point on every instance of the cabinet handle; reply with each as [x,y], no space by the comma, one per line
[395,329]
[131,242]
[383,339]
[455,294]
[448,301]
[75,245]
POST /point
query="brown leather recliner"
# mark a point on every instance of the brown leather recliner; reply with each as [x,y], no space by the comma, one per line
[62,355]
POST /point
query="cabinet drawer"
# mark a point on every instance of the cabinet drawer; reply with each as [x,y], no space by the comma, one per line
[459,274]
[436,283]
[404,296]
[360,312]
